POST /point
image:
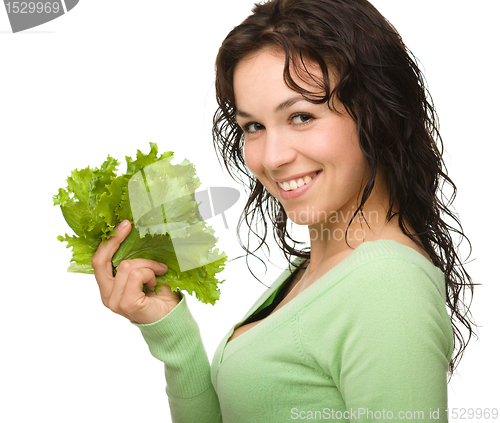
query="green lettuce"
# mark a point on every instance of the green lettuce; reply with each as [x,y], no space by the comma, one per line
[96,200]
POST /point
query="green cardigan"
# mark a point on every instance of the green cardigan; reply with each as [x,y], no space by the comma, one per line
[368,341]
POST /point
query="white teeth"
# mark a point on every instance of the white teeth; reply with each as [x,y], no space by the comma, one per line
[293,185]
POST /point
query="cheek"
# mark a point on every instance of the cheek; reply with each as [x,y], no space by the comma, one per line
[250,154]
[339,146]
[333,151]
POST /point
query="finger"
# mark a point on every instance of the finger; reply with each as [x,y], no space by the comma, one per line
[105,252]
[128,265]
[166,294]
[164,290]
[137,270]
[101,261]
[136,277]
[132,301]
[148,307]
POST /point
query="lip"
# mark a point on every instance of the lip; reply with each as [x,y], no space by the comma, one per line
[290,195]
[296,176]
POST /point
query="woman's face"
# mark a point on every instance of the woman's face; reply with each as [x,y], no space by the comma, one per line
[310,149]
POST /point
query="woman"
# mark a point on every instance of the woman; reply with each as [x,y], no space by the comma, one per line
[323,104]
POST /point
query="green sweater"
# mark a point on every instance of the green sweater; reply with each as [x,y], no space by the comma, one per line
[369,341]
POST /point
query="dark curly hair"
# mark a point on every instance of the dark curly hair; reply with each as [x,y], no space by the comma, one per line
[382,88]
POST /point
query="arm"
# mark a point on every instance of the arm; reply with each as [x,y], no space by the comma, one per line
[175,340]
[388,342]
[167,325]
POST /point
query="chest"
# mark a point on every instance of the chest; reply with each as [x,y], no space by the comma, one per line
[263,377]
[286,296]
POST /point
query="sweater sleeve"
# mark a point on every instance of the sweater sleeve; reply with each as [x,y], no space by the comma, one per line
[388,342]
[175,340]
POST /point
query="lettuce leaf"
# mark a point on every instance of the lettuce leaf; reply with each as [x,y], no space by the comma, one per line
[169,230]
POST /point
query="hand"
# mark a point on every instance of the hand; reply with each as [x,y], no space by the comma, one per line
[123,293]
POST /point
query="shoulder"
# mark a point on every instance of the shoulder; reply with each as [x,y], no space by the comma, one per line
[380,278]
[383,293]
[383,264]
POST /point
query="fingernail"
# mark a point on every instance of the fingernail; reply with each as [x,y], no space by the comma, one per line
[122,225]
[163,265]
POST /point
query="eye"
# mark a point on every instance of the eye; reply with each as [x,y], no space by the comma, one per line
[301,119]
[252,127]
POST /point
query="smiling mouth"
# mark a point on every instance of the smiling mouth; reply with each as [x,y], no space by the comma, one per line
[296,184]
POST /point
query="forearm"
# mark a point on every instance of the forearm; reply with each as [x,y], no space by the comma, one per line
[175,340]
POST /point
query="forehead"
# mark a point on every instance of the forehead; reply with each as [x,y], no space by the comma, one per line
[261,72]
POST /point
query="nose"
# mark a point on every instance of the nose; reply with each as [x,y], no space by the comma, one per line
[278,149]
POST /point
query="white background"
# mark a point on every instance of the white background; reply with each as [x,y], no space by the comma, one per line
[111,76]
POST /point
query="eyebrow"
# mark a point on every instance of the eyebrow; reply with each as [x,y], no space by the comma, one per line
[282,106]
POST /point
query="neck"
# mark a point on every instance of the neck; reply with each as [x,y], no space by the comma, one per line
[344,229]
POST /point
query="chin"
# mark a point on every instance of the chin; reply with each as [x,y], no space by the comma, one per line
[305,216]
